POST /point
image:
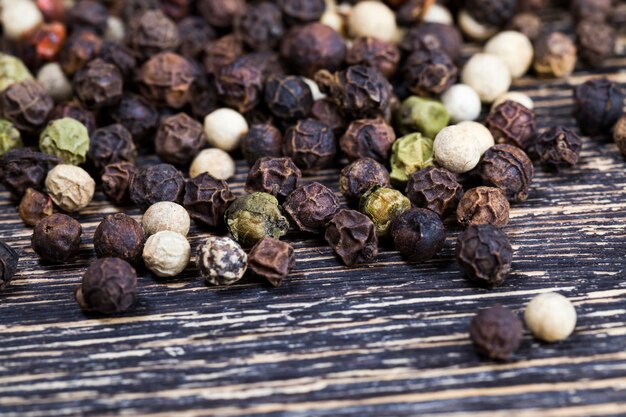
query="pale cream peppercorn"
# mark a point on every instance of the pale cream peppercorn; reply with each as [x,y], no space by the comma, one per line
[115,31]
[516,96]
[514,48]
[54,80]
[438,14]
[224,128]
[462,103]
[372,18]
[551,317]
[473,29]
[70,187]
[217,163]
[20,17]
[488,75]
[166,215]
[166,253]
[458,148]
[334,20]
[479,134]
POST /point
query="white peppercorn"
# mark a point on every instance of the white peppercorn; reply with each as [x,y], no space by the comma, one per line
[373,18]
[54,80]
[473,29]
[115,31]
[215,162]
[479,133]
[166,215]
[458,148]
[70,187]
[166,253]
[224,128]
[334,20]
[20,18]
[516,96]
[221,261]
[488,75]
[462,103]
[438,14]
[551,317]
[514,48]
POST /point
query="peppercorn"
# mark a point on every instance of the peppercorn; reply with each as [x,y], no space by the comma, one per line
[129,8]
[515,50]
[98,84]
[422,115]
[619,134]
[262,140]
[368,138]
[361,175]
[88,14]
[310,144]
[383,205]
[194,33]
[352,236]
[22,168]
[596,42]
[179,139]
[358,91]
[272,259]
[121,56]
[372,18]
[66,139]
[473,29]
[509,169]
[261,28]
[436,189]
[251,217]
[224,128]
[310,206]
[515,96]
[166,253]
[20,18]
[326,111]
[376,53]
[108,286]
[288,97]
[221,52]
[527,5]
[550,316]
[165,79]
[8,264]
[458,148]
[413,11]
[12,70]
[527,23]
[496,332]
[461,102]
[429,72]
[202,96]
[137,115]
[595,11]
[34,206]
[598,105]
[206,199]
[302,11]
[275,176]
[215,162]
[27,105]
[152,32]
[557,147]
[52,78]
[483,205]
[111,144]
[176,9]
[221,13]
[119,236]
[166,215]
[484,253]
[409,154]
[56,238]
[161,182]
[70,187]
[488,75]
[74,110]
[436,36]
[512,123]
[116,30]
[9,137]
[80,48]
[418,234]
[221,260]
[491,12]
[555,55]
[116,180]
[311,47]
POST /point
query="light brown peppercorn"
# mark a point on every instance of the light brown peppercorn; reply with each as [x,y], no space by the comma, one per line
[221,52]
[35,206]
[483,205]
[509,169]
[116,180]
[272,259]
[596,42]
[436,189]
[555,55]
[352,236]
[512,123]
[528,24]
[368,138]
[165,79]
[152,32]
[70,187]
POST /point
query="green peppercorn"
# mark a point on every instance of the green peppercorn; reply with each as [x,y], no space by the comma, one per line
[67,139]
[422,115]
[383,205]
[410,154]
[12,70]
[253,216]
[9,137]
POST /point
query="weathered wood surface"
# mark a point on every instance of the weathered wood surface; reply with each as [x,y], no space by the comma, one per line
[388,339]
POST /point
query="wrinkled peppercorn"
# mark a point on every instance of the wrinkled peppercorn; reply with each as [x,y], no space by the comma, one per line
[116,180]
[221,13]
[374,53]
[161,182]
[74,110]
[619,134]
[119,236]
[288,97]
[310,206]
[88,14]
[261,140]
[253,216]
[179,139]
[437,36]
[512,123]
[368,138]
[352,236]
[383,205]
[598,105]
[483,205]
[221,52]
[555,55]
[194,34]
[261,28]
[137,115]
[360,176]
[326,111]
[129,8]
[311,144]
[221,261]
[80,48]
[165,79]
[557,147]
[275,176]
[418,234]
[272,259]
[496,332]
[8,264]
[202,97]
[120,56]
[596,42]
[302,11]
[56,238]
[206,199]
[23,168]
[27,105]
[98,84]
[509,169]
[111,144]
[152,32]
[358,91]
[309,48]
[436,189]
[429,72]
[491,12]
[108,286]
[34,206]
[484,253]
[595,11]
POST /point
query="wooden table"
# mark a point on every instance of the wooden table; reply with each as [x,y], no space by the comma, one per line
[387,339]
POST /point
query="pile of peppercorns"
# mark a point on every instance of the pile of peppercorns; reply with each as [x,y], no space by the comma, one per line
[293,86]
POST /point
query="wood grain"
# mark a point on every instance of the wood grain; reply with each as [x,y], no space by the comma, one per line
[386,339]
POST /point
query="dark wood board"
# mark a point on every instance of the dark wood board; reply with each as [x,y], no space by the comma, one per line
[387,339]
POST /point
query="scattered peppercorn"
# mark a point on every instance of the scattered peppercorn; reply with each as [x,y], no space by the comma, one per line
[460,101]
[98,84]
[557,147]
[598,105]
[509,169]
[352,236]
[491,12]
[275,176]
[161,182]
[409,154]
[221,260]
[555,55]
[116,180]
[484,253]
[221,13]
[383,205]
[206,199]
[262,140]
[66,139]
[261,28]
[429,72]
[326,111]
[12,70]
[483,205]
[550,316]
[431,35]
[224,128]
[88,14]
[111,144]
[23,168]
[70,187]
[422,115]
[34,206]
[253,216]
[166,215]
[165,79]
[179,139]
[488,75]
[73,110]
[120,56]
[418,234]
[108,286]
[137,115]
[512,123]
[372,18]
[310,144]
[8,264]
[288,97]
[361,175]
[310,206]
[80,48]
[221,52]
[152,32]
[166,253]
[436,189]
[528,24]
[376,53]
[595,11]
[272,259]
[27,105]
[496,332]
[9,137]
[119,236]
[194,34]
[619,134]
[368,138]
[596,42]
[215,162]
[56,238]
[515,50]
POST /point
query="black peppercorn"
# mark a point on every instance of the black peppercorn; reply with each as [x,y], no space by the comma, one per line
[74,110]
[302,11]
[361,175]
[374,53]
[152,32]
[179,139]
[509,169]
[27,105]
[595,11]
[275,176]
[272,259]
[368,138]
[491,12]
[429,72]
[557,147]
[410,11]
[206,199]
[352,236]
[496,332]
[109,286]
[34,206]
[260,141]
[512,123]
[23,168]
[261,28]
[437,36]
[418,234]
[8,264]
[80,48]
[88,14]
[483,205]
[202,97]
[436,189]
[165,79]
[288,97]
[116,181]
[598,105]
[484,253]
[161,182]
[619,134]
[127,9]
[310,206]
[221,52]
[326,111]
[120,56]
[98,84]
[221,13]
[111,144]
[596,42]
[56,238]
[194,34]
[137,115]
[528,24]
[177,9]
[119,236]
[311,144]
